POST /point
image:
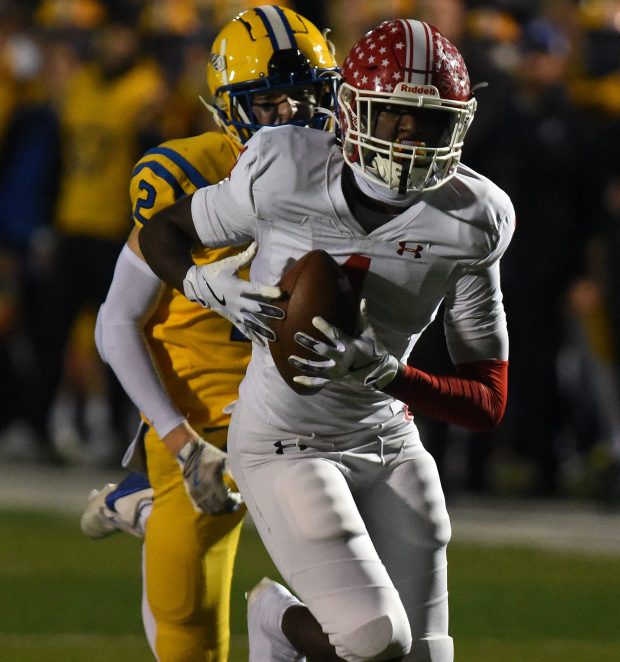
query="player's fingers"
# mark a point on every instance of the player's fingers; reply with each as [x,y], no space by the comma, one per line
[258,326]
[251,335]
[193,294]
[363,313]
[261,308]
[244,258]
[263,293]
[225,502]
[332,332]
[305,380]
[271,311]
[324,326]
[306,341]
[235,501]
[310,367]
[315,345]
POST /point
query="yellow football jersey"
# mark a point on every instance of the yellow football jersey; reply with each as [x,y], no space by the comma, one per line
[100,123]
[201,355]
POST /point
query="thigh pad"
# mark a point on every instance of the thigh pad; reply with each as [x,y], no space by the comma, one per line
[316,500]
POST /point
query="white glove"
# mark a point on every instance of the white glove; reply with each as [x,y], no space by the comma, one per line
[363,359]
[244,303]
[203,466]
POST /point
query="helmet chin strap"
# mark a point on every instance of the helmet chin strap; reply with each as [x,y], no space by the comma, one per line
[404,177]
[382,193]
[401,175]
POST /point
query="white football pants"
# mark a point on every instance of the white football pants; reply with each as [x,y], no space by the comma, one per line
[358,527]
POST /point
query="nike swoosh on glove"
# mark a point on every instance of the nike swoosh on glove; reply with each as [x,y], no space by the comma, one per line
[247,304]
[362,359]
[203,466]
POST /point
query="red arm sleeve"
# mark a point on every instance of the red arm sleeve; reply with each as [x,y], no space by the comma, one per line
[474,397]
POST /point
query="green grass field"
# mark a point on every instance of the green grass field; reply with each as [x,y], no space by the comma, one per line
[65,598]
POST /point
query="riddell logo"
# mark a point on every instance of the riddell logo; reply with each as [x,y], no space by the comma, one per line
[429,90]
[417,250]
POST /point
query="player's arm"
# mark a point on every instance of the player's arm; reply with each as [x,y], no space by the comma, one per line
[132,297]
[474,397]
[475,327]
[166,242]
[213,216]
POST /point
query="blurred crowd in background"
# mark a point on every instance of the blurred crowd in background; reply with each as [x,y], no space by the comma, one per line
[86,86]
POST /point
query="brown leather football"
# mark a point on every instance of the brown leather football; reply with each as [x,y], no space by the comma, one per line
[315,285]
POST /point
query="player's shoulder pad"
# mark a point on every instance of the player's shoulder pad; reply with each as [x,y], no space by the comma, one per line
[176,168]
[484,207]
[282,166]
[203,159]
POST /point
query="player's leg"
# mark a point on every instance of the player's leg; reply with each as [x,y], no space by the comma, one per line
[309,523]
[188,565]
[407,519]
[269,604]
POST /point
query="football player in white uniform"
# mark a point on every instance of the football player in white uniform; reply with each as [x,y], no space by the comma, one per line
[345,497]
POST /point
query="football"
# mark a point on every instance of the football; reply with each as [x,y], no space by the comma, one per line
[315,285]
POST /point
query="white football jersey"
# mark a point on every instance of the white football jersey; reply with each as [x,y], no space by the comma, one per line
[285,191]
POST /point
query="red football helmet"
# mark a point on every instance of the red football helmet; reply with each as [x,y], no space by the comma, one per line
[405,68]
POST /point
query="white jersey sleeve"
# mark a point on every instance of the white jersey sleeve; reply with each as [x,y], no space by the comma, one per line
[132,297]
[224,214]
[474,318]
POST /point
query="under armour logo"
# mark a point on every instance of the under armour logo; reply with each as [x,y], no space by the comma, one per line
[416,251]
[280,447]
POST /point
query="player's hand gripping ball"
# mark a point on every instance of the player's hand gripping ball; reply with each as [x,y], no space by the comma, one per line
[315,285]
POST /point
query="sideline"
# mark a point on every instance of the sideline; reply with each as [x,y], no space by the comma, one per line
[546,524]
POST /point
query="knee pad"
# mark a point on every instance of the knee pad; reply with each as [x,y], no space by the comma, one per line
[384,638]
[432,649]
